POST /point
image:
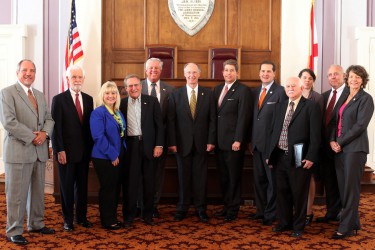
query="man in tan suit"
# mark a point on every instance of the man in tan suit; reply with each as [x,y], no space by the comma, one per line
[27,123]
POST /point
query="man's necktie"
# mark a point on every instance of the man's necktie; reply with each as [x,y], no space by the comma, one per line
[222,96]
[79,109]
[264,92]
[329,109]
[283,141]
[193,103]
[32,100]
[153,90]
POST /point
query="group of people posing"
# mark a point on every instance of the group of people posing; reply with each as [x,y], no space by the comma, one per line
[296,136]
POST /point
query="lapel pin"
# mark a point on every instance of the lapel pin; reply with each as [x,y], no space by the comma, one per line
[233,90]
[202,94]
[163,89]
[270,92]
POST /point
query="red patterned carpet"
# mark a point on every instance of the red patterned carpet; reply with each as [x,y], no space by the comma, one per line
[192,234]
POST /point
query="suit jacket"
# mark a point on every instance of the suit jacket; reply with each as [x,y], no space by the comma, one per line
[262,121]
[325,133]
[234,115]
[304,127]
[151,123]
[165,91]
[69,134]
[186,132]
[355,118]
[20,120]
[105,132]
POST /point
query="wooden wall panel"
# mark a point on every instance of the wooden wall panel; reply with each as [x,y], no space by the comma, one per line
[255,24]
[128,25]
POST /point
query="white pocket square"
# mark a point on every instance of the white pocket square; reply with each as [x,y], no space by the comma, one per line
[271,102]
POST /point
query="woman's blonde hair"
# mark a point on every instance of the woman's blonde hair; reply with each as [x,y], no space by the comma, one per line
[108,87]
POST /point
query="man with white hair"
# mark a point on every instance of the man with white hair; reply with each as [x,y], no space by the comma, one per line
[72,144]
[293,149]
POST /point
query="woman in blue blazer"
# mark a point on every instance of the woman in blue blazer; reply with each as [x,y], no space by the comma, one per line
[349,141]
[108,132]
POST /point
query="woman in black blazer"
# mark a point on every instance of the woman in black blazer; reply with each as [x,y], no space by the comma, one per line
[350,142]
[308,78]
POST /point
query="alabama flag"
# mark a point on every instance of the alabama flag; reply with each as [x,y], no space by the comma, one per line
[313,42]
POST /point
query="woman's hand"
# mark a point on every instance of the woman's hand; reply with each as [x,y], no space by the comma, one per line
[116,162]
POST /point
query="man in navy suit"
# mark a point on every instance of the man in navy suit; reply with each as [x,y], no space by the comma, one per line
[153,86]
[234,114]
[336,76]
[266,98]
[191,133]
[145,140]
[72,144]
[296,121]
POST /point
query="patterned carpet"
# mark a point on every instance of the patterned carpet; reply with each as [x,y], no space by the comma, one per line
[192,234]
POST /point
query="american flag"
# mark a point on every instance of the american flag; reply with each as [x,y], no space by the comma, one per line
[313,43]
[73,52]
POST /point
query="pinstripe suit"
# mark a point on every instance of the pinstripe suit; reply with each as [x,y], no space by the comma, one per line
[24,161]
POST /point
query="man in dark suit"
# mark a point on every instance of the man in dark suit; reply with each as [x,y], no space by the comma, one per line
[333,99]
[296,121]
[191,133]
[145,140]
[266,98]
[234,113]
[27,123]
[153,86]
[72,145]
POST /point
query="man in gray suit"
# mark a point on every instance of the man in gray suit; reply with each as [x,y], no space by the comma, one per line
[153,86]
[27,123]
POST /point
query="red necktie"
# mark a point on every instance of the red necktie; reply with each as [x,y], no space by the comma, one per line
[79,109]
[329,109]
[262,97]
[224,93]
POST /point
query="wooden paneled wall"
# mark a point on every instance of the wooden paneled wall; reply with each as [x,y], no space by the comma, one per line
[128,25]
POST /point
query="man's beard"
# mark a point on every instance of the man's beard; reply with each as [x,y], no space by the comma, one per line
[76,88]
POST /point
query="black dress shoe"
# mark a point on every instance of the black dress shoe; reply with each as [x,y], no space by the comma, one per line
[202,215]
[155,213]
[43,230]
[255,217]
[221,213]
[112,227]
[86,224]
[18,239]
[230,217]
[280,228]
[68,227]
[268,222]
[296,234]
[339,236]
[179,216]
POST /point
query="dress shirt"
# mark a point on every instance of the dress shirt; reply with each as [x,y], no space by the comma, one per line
[338,94]
[189,89]
[157,88]
[134,126]
[222,91]
[73,94]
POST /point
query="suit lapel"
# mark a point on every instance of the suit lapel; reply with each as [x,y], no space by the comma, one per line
[298,109]
[230,92]
[162,93]
[69,101]
[24,97]
[200,100]
[185,100]
[144,107]
[353,100]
